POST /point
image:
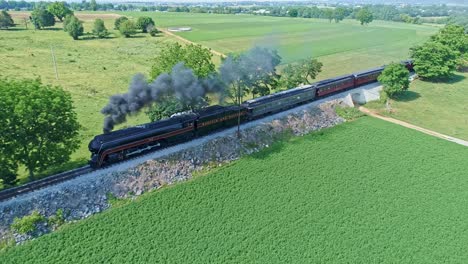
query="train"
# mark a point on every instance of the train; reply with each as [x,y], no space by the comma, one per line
[119,145]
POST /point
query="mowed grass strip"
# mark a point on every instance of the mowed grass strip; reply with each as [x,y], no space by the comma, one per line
[361,192]
[439,106]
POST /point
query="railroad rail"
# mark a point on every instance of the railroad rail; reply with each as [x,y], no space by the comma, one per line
[36,185]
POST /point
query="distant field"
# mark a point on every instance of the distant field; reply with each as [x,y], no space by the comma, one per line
[442,107]
[362,192]
[343,47]
[91,69]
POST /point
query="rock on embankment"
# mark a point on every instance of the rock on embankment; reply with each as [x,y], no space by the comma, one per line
[86,195]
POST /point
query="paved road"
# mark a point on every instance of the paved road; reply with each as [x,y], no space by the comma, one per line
[408,125]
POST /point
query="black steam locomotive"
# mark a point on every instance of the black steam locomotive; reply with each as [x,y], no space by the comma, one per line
[121,144]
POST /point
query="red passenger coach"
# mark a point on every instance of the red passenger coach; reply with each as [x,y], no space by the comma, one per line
[335,85]
[365,77]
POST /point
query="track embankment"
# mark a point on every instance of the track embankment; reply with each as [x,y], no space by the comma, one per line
[408,125]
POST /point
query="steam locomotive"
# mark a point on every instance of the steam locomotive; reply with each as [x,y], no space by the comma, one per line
[121,144]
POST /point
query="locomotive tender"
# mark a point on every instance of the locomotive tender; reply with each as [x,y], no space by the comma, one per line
[121,144]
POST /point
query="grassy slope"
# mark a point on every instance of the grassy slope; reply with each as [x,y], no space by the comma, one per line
[344,47]
[91,70]
[442,107]
[349,194]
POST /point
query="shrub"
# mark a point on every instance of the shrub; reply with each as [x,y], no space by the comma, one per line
[153,31]
[74,27]
[394,79]
[127,28]
[40,17]
[119,21]
[5,20]
[28,223]
[348,113]
[100,29]
[143,23]
[58,219]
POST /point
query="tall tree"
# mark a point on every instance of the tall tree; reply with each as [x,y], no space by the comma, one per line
[365,16]
[59,9]
[328,14]
[41,18]
[300,73]
[99,29]
[144,23]
[196,57]
[93,5]
[193,56]
[395,79]
[41,124]
[5,20]
[251,72]
[339,14]
[454,37]
[433,60]
[74,27]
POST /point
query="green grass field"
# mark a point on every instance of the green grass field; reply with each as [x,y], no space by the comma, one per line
[442,107]
[362,192]
[342,47]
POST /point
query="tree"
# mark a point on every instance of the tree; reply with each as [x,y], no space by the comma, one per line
[59,10]
[301,73]
[144,22]
[127,28]
[293,12]
[454,37]
[365,16]
[339,14]
[328,14]
[74,27]
[99,29]
[164,109]
[41,18]
[5,20]
[93,5]
[193,56]
[395,79]
[433,60]
[118,21]
[39,124]
[251,72]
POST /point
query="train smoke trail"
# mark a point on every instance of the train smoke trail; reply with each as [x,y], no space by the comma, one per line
[181,83]
[248,68]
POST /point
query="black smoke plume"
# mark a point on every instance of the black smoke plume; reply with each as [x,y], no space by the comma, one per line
[181,83]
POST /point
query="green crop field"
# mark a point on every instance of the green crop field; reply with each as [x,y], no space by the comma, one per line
[442,107]
[362,192]
[342,47]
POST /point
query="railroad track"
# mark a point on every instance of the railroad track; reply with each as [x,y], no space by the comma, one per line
[36,185]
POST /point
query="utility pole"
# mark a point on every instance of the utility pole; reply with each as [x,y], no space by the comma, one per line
[55,63]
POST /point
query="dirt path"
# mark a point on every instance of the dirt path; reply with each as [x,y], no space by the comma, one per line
[408,125]
[165,31]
